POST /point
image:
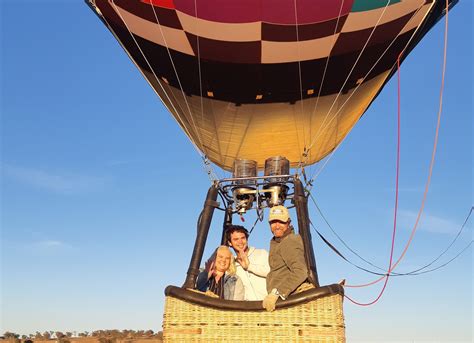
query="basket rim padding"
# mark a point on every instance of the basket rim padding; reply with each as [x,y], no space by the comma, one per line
[221,304]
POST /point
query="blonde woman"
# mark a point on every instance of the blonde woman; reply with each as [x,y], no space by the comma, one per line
[219,276]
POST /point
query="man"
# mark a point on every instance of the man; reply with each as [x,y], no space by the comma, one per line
[219,276]
[252,264]
[288,268]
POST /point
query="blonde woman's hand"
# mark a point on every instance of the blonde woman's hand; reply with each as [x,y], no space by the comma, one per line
[209,266]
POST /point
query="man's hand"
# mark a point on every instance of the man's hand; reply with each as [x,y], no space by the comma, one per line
[269,302]
[243,259]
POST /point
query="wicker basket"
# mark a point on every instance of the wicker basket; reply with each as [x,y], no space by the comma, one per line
[320,320]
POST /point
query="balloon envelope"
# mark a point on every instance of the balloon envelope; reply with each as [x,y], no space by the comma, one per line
[251,79]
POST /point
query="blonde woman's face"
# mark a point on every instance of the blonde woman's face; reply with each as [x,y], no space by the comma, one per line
[223,258]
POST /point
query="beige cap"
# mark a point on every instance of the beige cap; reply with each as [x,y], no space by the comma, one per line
[279,213]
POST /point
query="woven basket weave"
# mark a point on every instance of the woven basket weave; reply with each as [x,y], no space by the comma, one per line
[320,320]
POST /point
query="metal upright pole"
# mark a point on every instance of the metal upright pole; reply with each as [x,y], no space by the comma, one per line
[204,222]
[301,204]
[227,222]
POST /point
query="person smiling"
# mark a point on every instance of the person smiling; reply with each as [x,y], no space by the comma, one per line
[219,277]
[288,269]
[252,264]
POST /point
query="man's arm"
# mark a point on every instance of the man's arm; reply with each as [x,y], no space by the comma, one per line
[259,263]
[294,259]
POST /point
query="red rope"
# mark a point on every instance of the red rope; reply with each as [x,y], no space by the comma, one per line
[396,198]
[430,168]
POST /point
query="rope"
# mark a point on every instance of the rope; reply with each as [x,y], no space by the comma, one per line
[413,272]
[395,211]
[432,157]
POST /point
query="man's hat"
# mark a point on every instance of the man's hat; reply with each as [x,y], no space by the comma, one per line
[279,213]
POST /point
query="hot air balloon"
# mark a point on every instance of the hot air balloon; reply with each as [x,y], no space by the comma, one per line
[264,85]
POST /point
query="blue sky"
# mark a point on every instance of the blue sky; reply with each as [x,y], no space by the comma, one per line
[101,189]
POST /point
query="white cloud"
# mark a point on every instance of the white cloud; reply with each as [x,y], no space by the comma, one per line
[49,243]
[429,223]
[67,183]
[48,246]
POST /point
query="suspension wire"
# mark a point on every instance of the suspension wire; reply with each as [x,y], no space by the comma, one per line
[179,120]
[200,74]
[444,264]
[415,272]
[411,273]
[355,90]
[347,78]
[341,255]
[432,156]
[255,223]
[339,237]
[300,84]
[198,133]
[198,45]
[316,174]
[199,60]
[207,166]
[323,78]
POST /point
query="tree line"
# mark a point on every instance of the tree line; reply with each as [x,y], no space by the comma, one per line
[102,336]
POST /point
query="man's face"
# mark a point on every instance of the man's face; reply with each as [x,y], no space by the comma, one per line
[238,241]
[223,258]
[279,228]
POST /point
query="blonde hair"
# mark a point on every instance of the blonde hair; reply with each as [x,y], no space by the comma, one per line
[232,268]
